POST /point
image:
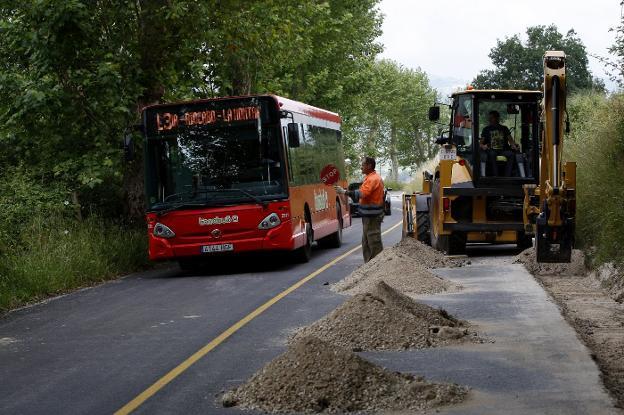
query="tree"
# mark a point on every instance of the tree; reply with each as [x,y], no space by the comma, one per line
[615,67]
[74,75]
[390,122]
[518,64]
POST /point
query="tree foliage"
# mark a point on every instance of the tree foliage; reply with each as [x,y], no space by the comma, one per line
[518,64]
[390,121]
[615,64]
[75,74]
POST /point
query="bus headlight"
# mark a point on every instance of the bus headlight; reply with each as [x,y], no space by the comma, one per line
[270,222]
[163,231]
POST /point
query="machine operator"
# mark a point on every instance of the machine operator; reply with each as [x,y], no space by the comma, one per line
[496,140]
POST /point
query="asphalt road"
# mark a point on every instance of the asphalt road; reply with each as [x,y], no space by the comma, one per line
[94,351]
[167,342]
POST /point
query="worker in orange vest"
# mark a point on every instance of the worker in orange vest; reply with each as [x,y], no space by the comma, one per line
[371,209]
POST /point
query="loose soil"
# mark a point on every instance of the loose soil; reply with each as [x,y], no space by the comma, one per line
[426,255]
[610,277]
[400,270]
[575,267]
[314,376]
[597,318]
[385,319]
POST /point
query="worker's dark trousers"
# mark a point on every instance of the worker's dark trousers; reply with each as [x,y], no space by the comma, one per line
[371,236]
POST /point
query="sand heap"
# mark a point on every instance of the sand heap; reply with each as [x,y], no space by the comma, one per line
[529,260]
[399,270]
[426,255]
[385,319]
[313,376]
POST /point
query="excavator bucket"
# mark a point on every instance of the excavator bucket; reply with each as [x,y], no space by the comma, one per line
[554,245]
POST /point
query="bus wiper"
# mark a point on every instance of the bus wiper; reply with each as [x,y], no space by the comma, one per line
[178,206]
[204,203]
[246,193]
[190,192]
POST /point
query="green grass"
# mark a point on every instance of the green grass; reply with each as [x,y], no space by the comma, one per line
[597,145]
[55,255]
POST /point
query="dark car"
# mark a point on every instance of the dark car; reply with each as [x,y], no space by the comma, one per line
[354,205]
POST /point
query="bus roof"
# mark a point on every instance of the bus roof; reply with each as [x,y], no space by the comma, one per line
[282,103]
[496,91]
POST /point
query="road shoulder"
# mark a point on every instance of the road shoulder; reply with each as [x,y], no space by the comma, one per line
[598,321]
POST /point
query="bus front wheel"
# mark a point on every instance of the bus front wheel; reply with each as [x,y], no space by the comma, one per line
[304,253]
[335,239]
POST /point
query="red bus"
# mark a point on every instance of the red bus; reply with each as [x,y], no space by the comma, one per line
[240,174]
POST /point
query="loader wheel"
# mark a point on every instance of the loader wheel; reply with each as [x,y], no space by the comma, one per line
[422,225]
[453,244]
[524,241]
[456,244]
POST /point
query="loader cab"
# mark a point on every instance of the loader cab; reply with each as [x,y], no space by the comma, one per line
[491,118]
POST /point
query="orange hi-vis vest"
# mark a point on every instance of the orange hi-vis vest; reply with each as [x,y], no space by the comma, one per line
[371,195]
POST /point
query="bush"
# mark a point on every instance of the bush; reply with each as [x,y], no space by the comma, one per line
[597,145]
[22,198]
[415,185]
[394,185]
[55,254]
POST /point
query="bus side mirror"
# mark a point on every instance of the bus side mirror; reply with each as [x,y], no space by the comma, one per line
[293,135]
[434,113]
[128,147]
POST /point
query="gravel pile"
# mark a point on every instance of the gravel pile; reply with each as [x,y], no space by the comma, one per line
[313,376]
[399,270]
[385,319]
[426,255]
[529,260]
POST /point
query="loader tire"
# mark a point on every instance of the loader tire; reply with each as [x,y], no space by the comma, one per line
[422,226]
[524,241]
[453,244]
[456,244]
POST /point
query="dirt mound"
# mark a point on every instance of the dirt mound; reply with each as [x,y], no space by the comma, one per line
[610,278]
[529,260]
[426,255]
[313,376]
[385,319]
[399,270]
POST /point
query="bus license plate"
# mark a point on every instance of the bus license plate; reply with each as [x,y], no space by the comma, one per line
[207,249]
[448,153]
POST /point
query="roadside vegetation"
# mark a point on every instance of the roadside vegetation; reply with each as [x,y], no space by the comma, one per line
[54,255]
[45,249]
[597,145]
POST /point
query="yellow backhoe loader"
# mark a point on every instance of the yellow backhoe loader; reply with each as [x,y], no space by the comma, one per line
[500,176]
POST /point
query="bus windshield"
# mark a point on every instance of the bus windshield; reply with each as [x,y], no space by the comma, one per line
[215,165]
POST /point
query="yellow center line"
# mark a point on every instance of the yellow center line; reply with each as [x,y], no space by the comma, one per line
[178,370]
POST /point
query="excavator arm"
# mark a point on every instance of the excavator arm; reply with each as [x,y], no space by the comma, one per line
[550,206]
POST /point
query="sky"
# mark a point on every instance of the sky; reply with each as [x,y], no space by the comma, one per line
[451,39]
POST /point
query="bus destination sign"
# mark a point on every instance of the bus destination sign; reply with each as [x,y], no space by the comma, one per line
[168,121]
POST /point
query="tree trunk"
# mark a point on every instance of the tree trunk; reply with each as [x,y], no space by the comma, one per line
[394,156]
[151,43]
[371,139]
